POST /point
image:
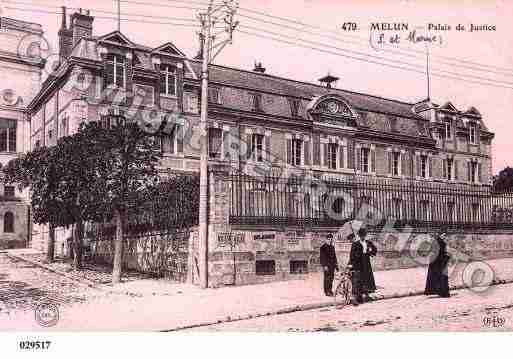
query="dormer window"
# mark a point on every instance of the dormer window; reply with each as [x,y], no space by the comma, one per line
[213,95]
[116,70]
[294,107]
[472,133]
[168,83]
[256,100]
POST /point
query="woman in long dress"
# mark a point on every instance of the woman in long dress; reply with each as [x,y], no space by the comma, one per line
[437,281]
[359,260]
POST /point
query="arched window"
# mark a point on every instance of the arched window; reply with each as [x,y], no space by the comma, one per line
[8,222]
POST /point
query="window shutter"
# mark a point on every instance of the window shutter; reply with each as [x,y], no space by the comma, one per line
[456,166]
[357,157]
[373,160]
[430,167]
[226,145]
[316,150]
[341,156]
[249,145]
[444,168]
[179,138]
[325,157]
[289,151]
[267,145]
[418,165]
[306,145]
[479,173]
[109,75]
[469,168]
[390,165]
[350,154]
[404,164]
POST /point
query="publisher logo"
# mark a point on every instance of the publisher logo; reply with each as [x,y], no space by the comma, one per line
[494,320]
[47,314]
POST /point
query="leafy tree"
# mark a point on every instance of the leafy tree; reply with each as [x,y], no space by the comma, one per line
[67,183]
[503,182]
[132,156]
[38,170]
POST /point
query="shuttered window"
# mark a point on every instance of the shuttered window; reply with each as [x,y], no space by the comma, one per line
[257,147]
[297,151]
[168,80]
[215,142]
[8,135]
[396,158]
[116,70]
[331,155]
[365,159]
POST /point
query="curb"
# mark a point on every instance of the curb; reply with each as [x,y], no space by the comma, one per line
[81,281]
[319,305]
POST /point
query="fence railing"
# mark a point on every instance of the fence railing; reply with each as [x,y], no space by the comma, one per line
[296,202]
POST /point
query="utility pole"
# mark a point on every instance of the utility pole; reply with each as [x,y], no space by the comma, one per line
[210,49]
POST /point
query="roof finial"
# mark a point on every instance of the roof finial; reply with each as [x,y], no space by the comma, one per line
[328,80]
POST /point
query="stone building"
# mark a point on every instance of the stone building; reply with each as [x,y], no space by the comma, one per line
[257,120]
[20,73]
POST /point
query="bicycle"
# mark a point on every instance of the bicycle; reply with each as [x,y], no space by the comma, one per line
[344,288]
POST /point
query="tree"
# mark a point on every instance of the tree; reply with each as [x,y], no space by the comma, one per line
[37,169]
[503,182]
[83,169]
[67,183]
[132,156]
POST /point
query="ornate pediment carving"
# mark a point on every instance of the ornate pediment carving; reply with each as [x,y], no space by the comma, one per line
[332,108]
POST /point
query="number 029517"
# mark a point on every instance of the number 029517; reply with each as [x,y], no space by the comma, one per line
[34,345]
[349,26]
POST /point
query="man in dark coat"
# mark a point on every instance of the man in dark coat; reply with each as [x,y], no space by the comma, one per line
[437,281]
[329,263]
[359,260]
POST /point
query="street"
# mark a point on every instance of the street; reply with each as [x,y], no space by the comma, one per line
[149,304]
[23,285]
[464,311]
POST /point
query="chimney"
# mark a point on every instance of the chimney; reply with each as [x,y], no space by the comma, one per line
[259,68]
[81,25]
[65,37]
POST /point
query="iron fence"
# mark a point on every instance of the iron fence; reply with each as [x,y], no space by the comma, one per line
[316,203]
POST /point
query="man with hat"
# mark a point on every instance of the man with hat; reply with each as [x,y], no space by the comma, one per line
[329,263]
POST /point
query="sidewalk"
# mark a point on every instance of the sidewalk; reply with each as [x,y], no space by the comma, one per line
[160,305]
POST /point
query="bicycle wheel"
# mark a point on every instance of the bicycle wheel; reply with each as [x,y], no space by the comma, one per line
[340,293]
[348,288]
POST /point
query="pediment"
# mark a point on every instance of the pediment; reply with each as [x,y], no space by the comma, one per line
[331,105]
[117,38]
[333,109]
[448,106]
[169,49]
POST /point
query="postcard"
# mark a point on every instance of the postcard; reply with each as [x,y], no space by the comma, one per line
[243,166]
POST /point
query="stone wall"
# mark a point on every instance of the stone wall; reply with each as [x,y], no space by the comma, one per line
[160,255]
[258,254]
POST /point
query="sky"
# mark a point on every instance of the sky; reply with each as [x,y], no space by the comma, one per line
[461,53]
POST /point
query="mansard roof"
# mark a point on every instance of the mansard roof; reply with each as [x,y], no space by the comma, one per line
[290,88]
